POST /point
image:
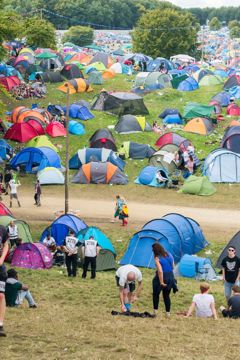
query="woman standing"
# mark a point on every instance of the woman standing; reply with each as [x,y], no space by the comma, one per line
[164,279]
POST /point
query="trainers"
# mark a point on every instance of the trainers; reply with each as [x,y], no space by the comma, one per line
[34,306]
[2,332]
[168,314]
[222,308]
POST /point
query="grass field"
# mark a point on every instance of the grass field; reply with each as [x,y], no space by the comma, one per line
[73,320]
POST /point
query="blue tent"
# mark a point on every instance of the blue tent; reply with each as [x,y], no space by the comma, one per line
[76,128]
[59,229]
[35,159]
[173,119]
[223,98]
[220,72]
[148,174]
[154,65]
[176,233]
[86,155]
[79,112]
[193,266]
[168,111]
[5,149]
[188,84]
[102,239]
[222,165]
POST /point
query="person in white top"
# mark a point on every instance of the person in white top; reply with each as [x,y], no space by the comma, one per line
[70,247]
[50,242]
[203,303]
[90,251]
[13,233]
[126,276]
[13,191]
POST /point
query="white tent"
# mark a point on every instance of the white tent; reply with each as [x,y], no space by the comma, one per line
[50,176]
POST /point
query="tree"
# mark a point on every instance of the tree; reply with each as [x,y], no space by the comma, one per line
[79,35]
[233,23]
[165,32]
[235,32]
[40,33]
[214,24]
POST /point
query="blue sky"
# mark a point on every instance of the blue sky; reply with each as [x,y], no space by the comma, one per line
[205,3]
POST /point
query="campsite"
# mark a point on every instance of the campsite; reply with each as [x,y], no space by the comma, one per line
[79,122]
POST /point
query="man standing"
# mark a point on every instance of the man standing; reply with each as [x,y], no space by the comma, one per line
[13,233]
[231,271]
[126,276]
[3,275]
[90,250]
[13,191]
[70,247]
[38,192]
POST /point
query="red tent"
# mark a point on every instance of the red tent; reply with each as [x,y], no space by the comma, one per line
[55,129]
[233,110]
[9,82]
[4,210]
[169,138]
[21,132]
[36,124]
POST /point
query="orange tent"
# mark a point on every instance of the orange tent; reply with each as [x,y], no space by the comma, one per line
[199,126]
[234,123]
[76,86]
[108,74]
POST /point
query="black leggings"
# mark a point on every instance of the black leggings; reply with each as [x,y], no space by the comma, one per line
[157,288]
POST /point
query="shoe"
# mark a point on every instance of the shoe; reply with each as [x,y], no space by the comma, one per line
[34,306]
[168,314]
[2,332]
[39,205]
[222,308]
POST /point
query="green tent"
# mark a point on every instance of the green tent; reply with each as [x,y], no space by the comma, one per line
[23,228]
[165,158]
[210,80]
[194,110]
[95,77]
[46,55]
[197,185]
[176,80]
[40,141]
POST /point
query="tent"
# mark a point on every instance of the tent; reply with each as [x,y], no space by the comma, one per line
[120,103]
[108,74]
[23,114]
[210,80]
[86,155]
[71,71]
[233,110]
[76,128]
[165,158]
[103,138]
[168,111]
[197,185]
[176,233]
[95,77]
[96,66]
[50,175]
[231,139]
[5,149]
[199,126]
[198,110]
[153,80]
[106,258]
[222,165]
[77,111]
[60,227]
[217,106]
[178,79]
[4,210]
[100,173]
[52,77]
[188,84]
[132,150]
[223,98]
[9,82]
[78,85]
[148,174]
[173,119]
[196,267]
[32,256]
[235,241]
[231,82]
[130,124]
[103,58]
[40,141]
[55,129]
[22,132]
[201,73]
[154,65]
[35,159]
[23,228]
[169,138]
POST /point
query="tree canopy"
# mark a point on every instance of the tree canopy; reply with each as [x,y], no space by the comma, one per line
[79,35]
[165,32]
[215,24]
[40,33]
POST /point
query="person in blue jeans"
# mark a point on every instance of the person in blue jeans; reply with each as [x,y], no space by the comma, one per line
[231,271]
[163,280]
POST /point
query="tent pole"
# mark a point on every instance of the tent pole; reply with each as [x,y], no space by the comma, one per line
[67,153]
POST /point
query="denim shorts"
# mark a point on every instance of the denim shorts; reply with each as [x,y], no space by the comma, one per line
[228,288]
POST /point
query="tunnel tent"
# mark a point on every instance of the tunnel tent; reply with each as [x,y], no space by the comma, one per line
[130,149]
[148,176]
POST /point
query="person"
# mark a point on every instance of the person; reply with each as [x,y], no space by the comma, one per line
[163,280]
[13,191]
[162,67]
[50,243]
[7,178]
[4,248]
[161,178]
[90,250]
[70,247]
[16,292]
[233,310]
[203,303]
[38,192]
[12,230]
[190,165]
[231,271]
[126,276]
[156,128]
[123,213]
[118,207]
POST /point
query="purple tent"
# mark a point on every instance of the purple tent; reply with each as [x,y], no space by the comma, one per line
[32,256]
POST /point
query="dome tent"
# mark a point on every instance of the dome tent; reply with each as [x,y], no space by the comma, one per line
[40,141]
[130,124]
[50,175]
[78,111]
[103,138]
[148,175]
[22,132]
[23,228]
[188,84]
[222,97]
[95,78]
[4,210]
[197,185]
[106,258]
[165,158]
[231,139]
[176,233]
[130,149]
[60,227]
[199,126]
[76,128]
[235,241]
[32,256]
[55,129]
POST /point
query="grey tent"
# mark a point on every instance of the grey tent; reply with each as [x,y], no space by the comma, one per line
[100,57]
[131,124]
[95,77]
[71,71]
[164,159]
[103,138]
[52,77]
[130,149]
[235,241]
[100,173]
[120,103]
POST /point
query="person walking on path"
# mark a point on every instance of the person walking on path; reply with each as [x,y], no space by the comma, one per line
[90,250]
[38,192]
[231,271]
[70,247]
[13,191]
[118,207]
[123,213]
[164,280]
[3,275]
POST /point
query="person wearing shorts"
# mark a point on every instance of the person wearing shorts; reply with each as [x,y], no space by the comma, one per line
[126,277]
[13,191]
[3,275]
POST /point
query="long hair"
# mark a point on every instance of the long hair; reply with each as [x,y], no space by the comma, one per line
[158,250]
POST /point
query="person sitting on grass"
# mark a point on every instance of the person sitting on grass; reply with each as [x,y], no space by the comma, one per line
[233,310]
[203,303]
[16,292]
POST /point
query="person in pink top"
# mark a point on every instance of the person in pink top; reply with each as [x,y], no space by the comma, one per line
[190,164]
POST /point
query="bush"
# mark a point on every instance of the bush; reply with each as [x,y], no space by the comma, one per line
[79,35]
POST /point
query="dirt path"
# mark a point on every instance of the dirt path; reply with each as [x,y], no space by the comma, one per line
[102,211]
